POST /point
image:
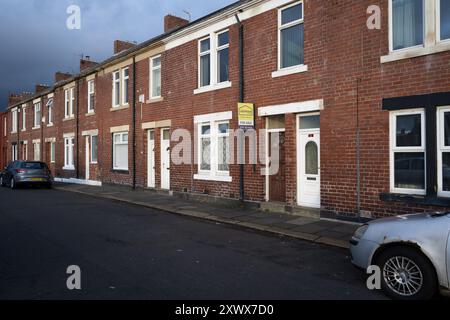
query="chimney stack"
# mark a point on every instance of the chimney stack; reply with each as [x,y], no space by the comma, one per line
[172,22]
[41,87]
[86,63]
[120,46]
[15,98]
[61,76]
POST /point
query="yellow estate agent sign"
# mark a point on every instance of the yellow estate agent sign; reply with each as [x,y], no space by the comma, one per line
[246,115]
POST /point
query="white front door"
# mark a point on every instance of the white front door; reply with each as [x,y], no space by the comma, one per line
[308,161]
[165,159]
[151,159]
[88,161]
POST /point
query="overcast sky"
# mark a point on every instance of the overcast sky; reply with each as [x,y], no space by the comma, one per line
[35,42]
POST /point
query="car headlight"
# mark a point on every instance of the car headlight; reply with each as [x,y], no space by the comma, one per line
[359,233]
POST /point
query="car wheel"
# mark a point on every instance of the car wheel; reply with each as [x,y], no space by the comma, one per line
[12,184]
[2,183]
[407,274]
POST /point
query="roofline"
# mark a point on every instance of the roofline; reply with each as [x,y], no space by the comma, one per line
[143,46]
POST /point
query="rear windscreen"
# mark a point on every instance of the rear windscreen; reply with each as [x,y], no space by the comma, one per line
[33,165]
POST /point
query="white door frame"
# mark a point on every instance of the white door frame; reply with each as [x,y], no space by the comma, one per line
[151,177]
[299,150]
[267,160]
[161,157]
[87,157]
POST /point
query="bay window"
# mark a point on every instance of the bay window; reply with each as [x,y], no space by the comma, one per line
[408,151]
[120,151]
[155,77]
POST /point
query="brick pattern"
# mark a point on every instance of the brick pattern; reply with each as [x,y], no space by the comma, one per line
[344,69]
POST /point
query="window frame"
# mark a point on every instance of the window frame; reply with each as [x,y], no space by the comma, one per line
[214,173]
[202,54]
[218,49]
[37,108]
[14,120]
[36,151]
[114,144]
[152,69]
[116,89]
[24,118]
[393,149]
[52,152]
[438,24]
[92,149]
[125,81]
[90,93]
[49,106]
[69,99]
[441,147]
[69,161]
[281,27]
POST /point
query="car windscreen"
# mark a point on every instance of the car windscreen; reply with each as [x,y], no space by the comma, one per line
[32,165]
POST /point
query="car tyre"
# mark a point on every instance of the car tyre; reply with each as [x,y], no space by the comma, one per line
[406,274]
[2,183]
[12,184]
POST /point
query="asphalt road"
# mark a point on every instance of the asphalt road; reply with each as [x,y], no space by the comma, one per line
[129,252]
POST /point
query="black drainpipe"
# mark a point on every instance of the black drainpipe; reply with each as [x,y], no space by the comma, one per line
[78,127]
[134,122]
[241,98]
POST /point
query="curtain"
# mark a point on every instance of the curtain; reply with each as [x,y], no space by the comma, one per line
[407,23]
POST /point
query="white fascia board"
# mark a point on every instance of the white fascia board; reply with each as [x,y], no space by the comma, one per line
[220,116]
[296,107]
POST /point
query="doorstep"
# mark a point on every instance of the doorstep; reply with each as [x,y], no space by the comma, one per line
[333,233]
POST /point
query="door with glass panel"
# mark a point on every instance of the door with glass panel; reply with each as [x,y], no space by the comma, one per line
[151,159]
[444,151]
[308,161]
[165,159]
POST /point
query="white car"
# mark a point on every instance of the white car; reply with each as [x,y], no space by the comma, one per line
[412,251]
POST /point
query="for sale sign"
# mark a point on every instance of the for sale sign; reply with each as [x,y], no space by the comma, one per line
[246,116]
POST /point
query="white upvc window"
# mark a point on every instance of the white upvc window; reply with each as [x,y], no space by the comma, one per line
[125,83]
[155,77]
[213,62]
[69,143]
[50,111]
[25,150]
[69,99]
[213,145]
[443,149]
[15,119]
[407,152]
[52,152]
[36,151]
[37,115]
[91,96]
[417,28]
[14,152]
[116,89]
[94,149]
[120,151]
[443,20]
[24,118]
[291,36]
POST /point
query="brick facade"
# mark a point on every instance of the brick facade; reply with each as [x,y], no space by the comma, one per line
[344,71]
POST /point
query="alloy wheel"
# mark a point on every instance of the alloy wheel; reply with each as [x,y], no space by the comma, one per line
[403,276]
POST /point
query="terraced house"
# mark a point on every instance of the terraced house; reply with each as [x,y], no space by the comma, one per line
[363,114]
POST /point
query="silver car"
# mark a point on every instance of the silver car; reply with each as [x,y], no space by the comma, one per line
[19,173]
[412,252]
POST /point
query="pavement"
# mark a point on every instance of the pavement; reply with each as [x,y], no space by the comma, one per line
[127,251]
[329,232]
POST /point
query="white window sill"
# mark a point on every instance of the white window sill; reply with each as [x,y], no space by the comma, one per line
[291,70]
[23,130]
[409,191]
[207,177]
[218,86]
[120,169]
[91,113]
[13,132]
[416,52]
[69,168]
[35,128]
[69,118]
[154,100]
[117,108]
[50,125]
[94,162]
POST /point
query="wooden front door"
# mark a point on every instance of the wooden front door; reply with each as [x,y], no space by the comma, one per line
[277,181]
